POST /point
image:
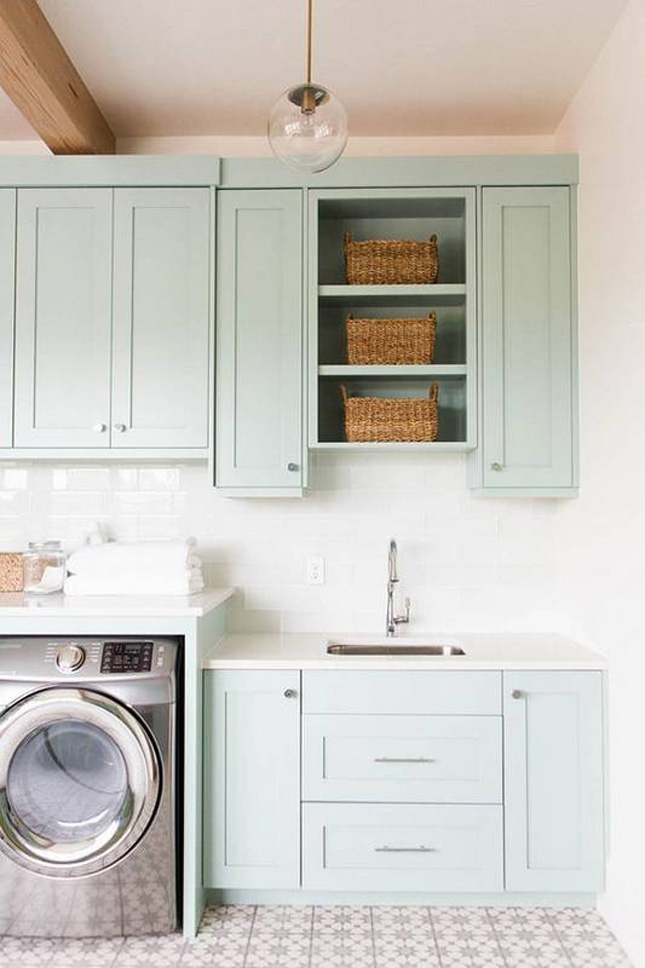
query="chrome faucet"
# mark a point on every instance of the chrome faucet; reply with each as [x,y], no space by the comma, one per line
[392,620]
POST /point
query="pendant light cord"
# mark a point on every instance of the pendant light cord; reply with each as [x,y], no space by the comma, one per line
[310,15]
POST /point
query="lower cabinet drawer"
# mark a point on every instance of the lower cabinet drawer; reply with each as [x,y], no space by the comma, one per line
[404,759]
[402,847]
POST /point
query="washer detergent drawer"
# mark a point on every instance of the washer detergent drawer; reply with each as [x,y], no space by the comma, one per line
[402,847]
[404,759]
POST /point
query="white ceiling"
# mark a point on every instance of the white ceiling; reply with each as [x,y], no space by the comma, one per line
[402,67]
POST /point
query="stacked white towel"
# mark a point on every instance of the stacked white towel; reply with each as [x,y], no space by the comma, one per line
[135,568]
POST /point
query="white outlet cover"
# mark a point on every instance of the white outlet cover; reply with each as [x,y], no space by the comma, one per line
[315,570]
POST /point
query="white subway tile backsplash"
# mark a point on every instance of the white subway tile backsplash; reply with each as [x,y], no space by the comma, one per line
[468,563]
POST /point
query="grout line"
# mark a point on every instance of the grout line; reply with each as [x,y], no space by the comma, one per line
[311,936]
[371,910]
[496,936]
[248,940]
[550,922]
[434,935]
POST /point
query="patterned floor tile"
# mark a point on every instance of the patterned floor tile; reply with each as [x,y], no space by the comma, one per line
[86,952]
[465,938]
[160,952]
[26,951]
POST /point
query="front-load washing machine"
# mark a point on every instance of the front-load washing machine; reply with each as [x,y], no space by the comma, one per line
[87,786]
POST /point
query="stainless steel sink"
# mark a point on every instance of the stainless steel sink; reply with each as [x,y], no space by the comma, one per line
[340,648]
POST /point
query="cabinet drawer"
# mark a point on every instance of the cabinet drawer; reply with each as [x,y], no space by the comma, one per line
[406,759]
[408,693]
[404,847]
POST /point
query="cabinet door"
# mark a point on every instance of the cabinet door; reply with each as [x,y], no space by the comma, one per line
[63,317]
[7,248]
[527,338]
[259,342]
[162,269]
[252,779]
[553,748]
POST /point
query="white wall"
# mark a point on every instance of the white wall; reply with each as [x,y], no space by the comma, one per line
[602,535]
[467,563]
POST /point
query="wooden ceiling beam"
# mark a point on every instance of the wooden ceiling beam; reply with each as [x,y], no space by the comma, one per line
[41,80]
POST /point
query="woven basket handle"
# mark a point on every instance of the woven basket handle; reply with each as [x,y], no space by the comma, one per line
[434,393]
[433,239]
[347,238]
[344,394]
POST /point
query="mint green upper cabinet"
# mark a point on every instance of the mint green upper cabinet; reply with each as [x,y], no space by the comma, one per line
[7,243]
[527,340]
[251,779]
[162,266]
[553,759]
[63,317]
[259,441]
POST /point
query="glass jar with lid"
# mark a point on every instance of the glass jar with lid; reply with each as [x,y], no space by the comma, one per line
[44,567]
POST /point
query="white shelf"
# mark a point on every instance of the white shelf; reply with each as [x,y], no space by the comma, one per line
[430,370]
[394,445]
[438,295]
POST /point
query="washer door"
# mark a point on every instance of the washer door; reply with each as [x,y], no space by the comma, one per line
[80,781]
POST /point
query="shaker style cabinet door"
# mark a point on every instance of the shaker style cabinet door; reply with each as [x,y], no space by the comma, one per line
[251,779]
[63,317]
[554,800]
[528,406]
[259,341]
[162,264]
[7,244]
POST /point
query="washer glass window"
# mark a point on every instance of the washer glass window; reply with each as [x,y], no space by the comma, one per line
[68,782]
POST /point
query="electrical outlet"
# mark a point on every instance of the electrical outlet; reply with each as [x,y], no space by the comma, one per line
[315,570]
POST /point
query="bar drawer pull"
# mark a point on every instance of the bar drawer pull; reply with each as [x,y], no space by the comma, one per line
[386,849]
[403,759]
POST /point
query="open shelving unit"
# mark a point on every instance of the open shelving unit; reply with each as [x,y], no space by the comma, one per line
[393,213]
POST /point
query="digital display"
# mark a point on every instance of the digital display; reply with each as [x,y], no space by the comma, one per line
[126,657]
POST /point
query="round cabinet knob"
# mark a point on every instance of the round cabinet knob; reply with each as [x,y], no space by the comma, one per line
[120,428]
[495,466]
[70,658]
[290,694]
[99,428]
[291,466]
[517,694]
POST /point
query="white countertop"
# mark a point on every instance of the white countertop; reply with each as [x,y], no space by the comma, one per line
[112,606]
[528,651]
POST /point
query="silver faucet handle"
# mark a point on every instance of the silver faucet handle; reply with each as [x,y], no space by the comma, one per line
[404,619]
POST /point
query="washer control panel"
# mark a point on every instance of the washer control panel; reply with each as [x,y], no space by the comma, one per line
[127,656]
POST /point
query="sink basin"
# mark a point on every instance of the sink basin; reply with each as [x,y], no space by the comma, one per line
[402,648]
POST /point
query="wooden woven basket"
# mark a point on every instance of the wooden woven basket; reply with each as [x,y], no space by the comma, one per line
[386,419]
[382,262]
[391,342]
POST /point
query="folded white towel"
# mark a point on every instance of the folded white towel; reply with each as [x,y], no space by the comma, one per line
[133,585]
[119,555]
[161,572]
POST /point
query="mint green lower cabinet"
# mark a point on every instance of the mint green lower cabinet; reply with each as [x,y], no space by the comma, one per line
[7,247]
[528,388]
[554,791]
[413,759]
[251,779]
[402,847]
[259,440]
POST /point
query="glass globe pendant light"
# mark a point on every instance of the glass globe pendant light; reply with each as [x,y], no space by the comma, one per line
[307,126]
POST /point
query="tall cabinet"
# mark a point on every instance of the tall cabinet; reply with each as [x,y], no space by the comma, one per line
[528,405]
[7,245]
[259,440]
